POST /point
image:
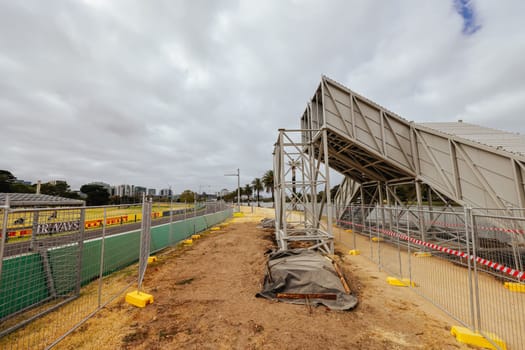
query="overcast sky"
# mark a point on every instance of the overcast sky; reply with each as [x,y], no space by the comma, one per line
[158,93]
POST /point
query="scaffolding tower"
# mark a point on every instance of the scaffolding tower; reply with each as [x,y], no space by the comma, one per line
[302,190]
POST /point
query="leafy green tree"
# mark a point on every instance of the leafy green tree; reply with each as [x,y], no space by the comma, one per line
[268,183]
[96,194]
[230,196]
[59,188]
[257,187]
[247,191]
[6,180]
[21,188]
[187,196]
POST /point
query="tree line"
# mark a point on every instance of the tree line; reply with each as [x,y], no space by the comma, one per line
[94,194]
[252,191]
[97,195]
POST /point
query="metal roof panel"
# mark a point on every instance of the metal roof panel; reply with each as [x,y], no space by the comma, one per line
[33,199]
[499,139]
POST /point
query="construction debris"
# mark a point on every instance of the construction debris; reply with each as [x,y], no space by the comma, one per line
[267,223]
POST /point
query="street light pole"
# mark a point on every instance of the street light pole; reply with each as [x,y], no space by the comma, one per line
[238,187]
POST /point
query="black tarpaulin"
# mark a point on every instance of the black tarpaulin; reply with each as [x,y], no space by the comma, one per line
[305,272]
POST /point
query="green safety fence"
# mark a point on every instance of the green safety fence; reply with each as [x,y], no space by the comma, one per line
[24,283]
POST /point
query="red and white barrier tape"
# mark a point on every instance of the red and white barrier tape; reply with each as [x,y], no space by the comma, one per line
[494,265]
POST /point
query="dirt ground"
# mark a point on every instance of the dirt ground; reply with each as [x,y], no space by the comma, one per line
[205,299]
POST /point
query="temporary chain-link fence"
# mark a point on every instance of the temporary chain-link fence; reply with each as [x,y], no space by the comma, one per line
[468,262]
[55,262]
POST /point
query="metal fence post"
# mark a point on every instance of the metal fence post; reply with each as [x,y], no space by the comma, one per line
[4,234]
[378,238]
[102,248]
[370,242]
[475,276]
[399,258]
[467,214]
[353,225]
[144,240]
[34,230]
[409,249]
[170,240]
[80,249]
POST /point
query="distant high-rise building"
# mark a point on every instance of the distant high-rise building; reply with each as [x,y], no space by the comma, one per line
[165,192]
[124,191]
[152,192]
[139,190]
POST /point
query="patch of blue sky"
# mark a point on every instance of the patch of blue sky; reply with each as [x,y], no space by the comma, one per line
[465,9]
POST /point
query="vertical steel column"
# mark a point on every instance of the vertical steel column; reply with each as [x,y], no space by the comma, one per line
[362,204]
[381,205]
[313,185]
[303,192]
[419,208]
[430,210]
[282,190]
[327,190]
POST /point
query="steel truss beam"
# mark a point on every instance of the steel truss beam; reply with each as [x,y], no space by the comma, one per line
[368,143]
[301,176]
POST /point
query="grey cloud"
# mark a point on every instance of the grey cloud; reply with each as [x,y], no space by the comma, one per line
[181,92]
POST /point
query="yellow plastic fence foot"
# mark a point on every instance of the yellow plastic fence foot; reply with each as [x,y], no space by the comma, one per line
[152,259]
[403,282]
[238,214]
[377,239]
[139,299]
[215,228]
[349,231]
[188,241]
[354,252]
[422,254]
[194,237]
[467,336]
[515,287]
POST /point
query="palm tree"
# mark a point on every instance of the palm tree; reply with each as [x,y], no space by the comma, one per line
[248,191]
[293,164]
[268,183]
[257,185]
